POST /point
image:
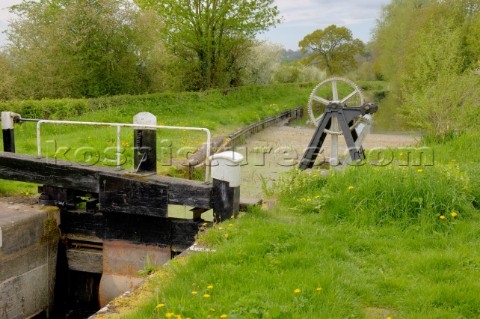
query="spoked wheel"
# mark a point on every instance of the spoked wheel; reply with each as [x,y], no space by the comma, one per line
[334,90]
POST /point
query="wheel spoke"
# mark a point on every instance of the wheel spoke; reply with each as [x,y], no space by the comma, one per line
[349,96]
[321,100]
[334,91]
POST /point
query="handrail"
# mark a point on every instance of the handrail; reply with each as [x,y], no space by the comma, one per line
[140,126]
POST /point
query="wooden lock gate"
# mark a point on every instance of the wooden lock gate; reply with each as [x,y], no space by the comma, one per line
[112,221]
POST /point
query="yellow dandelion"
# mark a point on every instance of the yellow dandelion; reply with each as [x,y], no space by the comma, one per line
[420,170]
[389,317]
[169,314]
[317,197]
[206,296]
[194,292]
[297,291]
[350,187]
[210,287]
[454,214]
[160,305]
[442,217]
[226,235]
[232,217]
[27,193]
[315,175]
[178,317]
[318,289]
[224,316]
[230,225]
[401,154]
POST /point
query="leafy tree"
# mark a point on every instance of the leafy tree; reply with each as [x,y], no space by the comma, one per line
[333,48]
[80,48]
[428,51]
[6,78]
[210,36]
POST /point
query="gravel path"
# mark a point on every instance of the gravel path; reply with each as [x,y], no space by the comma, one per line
[280,148]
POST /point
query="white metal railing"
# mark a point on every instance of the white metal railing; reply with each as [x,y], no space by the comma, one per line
[138,126]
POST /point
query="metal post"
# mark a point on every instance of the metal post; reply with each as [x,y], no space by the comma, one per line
[8,125]
[145,144]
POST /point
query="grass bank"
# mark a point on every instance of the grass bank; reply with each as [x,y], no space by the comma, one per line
[369,242]
[221,111]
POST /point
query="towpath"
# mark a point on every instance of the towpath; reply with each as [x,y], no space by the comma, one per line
[279,149]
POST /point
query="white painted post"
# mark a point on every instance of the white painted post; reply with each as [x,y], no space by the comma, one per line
[226,176]
[145,144]
[8,126]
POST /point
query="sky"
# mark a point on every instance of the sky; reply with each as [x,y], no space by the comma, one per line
[300,17]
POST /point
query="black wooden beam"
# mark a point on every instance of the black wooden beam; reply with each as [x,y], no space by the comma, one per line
[150,230]
[26,168]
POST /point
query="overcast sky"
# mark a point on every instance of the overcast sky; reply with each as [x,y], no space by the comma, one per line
[301,17]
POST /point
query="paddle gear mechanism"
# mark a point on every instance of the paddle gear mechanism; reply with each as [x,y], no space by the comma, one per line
[349,116]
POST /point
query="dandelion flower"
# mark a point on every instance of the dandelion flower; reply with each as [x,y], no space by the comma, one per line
[178,317]
[160,305]
[226,235]
[194,292]
[297,291]
[169,314]
[442,217]
[232,217]
[420,170]
[210,287]
[230,225]
[318,289]
[224,316]
[350,187]
[206,296]
[389,317]
[317,197]
[454,214]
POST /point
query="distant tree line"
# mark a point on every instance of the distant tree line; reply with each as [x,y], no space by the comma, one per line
[91,48]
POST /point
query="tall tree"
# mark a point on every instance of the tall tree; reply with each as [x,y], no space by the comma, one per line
[333,48]
[208,35]
[78,48]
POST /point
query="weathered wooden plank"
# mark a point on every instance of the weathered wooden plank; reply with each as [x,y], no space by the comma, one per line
[126,195]
[86,260]
[71,175]
[151,230]
[27,168]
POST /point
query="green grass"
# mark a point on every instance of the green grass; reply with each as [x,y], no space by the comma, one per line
[372,238]
[220,111]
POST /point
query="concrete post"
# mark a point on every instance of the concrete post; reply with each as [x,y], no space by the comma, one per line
[145,144]
[226,174]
